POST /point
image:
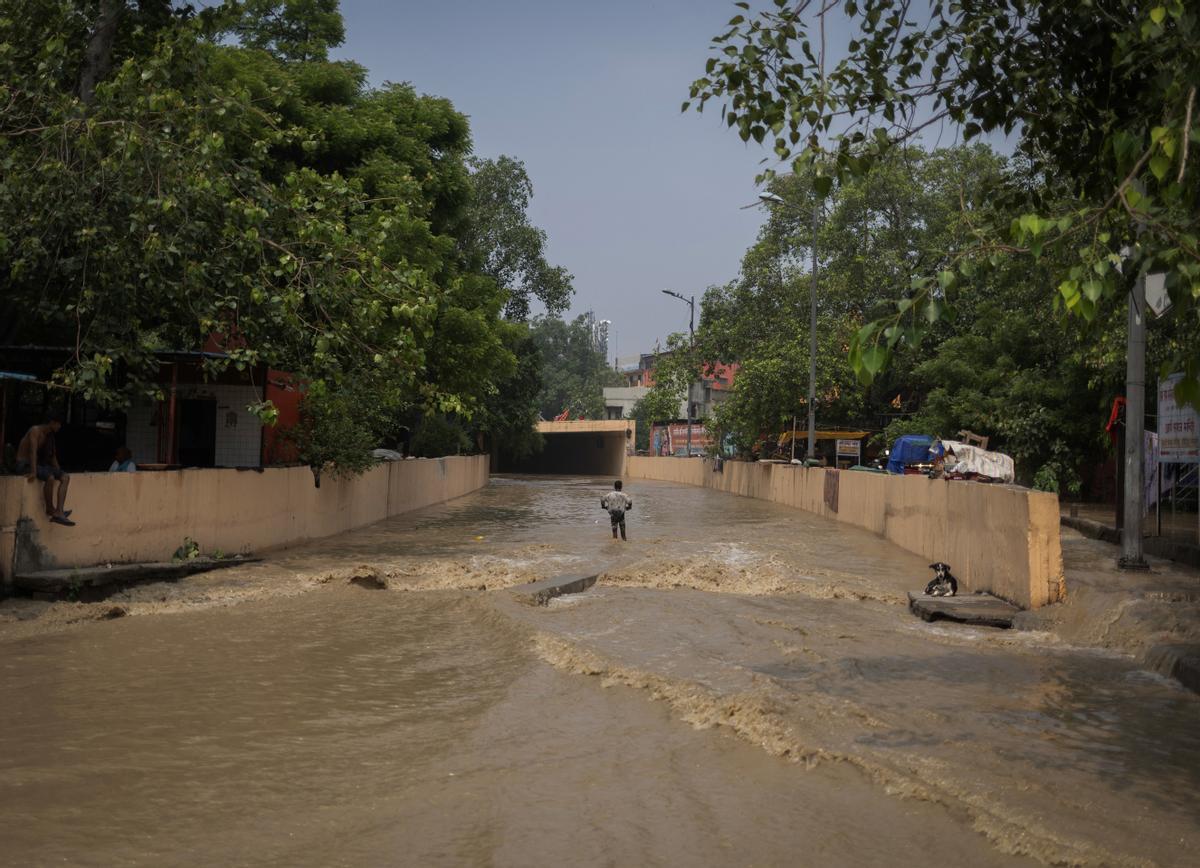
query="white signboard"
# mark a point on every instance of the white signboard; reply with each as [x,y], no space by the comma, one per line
[849,449]
[1178,427]
[1156,293]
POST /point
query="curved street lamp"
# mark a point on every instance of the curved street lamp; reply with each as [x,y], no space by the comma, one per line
[690,301]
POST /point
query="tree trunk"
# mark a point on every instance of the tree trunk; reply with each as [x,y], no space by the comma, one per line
[98,56]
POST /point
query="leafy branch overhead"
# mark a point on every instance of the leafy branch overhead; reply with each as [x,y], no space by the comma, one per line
[510,249]
[1040,386]
[1099,97]
[174,177]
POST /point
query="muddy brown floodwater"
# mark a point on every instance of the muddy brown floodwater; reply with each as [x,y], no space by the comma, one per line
[743,686]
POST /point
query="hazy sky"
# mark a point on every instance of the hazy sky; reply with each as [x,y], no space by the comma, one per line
[635,196]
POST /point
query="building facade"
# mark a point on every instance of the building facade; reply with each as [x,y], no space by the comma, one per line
[638,372]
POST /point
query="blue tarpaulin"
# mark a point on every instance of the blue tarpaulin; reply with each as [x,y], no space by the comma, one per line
[912,449]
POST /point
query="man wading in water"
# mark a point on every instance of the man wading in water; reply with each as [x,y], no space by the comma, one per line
[617,503]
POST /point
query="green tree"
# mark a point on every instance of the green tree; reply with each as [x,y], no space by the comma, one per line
[505,246]
[291,29]
[334,432]
[263,195]
[1006,370]
[869,231]
[1100,95]
[574,370]
[659,405]
[674,370]
[511,413]
[439,435]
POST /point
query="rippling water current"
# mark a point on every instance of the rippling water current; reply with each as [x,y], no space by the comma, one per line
[743,686]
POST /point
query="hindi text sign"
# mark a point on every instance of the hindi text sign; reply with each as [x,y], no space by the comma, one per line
[1178,427]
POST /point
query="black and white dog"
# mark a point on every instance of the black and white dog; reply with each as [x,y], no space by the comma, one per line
[943,584]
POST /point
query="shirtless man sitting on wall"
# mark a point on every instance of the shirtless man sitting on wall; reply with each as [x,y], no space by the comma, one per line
[37,458]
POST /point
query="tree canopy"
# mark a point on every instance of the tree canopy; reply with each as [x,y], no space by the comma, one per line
[172,177]
[574,370]
[1002,364]
[1098,94]
[509,248]
[291,29]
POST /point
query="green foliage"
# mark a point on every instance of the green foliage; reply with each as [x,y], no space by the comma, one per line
[868,232]
[1046,479]
[338,428]
[1003,366]
[189,551]
[574,371]
[510,414]
[438,435]
[254,192]
[674,371]
[1010,372]
[291,29]
[1101,95]
[506,246]
[659,405]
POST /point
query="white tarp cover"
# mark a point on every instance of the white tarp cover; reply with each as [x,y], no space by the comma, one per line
[386,455]
[972,459]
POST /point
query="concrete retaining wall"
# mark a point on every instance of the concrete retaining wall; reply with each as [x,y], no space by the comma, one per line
[1000,539]
[132,517]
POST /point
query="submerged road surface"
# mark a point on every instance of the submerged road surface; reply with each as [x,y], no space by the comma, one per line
[743,686]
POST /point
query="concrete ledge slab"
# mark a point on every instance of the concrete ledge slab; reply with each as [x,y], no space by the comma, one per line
[1178,661]
[541,593]
[981,609]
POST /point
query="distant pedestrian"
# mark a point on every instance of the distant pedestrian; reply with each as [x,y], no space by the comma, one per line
[37,458]
[123,461]
[617,503]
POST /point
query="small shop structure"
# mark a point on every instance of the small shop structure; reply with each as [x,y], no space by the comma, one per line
[202,420]
[836,448]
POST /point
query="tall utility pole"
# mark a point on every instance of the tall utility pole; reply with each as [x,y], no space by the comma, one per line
[690,301]
[773,200]
[812,339]
[1135,419]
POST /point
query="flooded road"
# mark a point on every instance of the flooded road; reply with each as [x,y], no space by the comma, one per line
[743,686]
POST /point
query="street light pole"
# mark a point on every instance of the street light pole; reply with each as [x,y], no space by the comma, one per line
[1135,419]
[812,341]
[773,200]
[690,301]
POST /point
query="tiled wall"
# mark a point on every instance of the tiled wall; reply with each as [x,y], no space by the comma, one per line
[239,434]
[141,436]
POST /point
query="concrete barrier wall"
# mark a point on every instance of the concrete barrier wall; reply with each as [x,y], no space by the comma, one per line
[134,517]
[1000,539]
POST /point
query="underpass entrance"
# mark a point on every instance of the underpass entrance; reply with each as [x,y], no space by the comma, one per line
[590,447]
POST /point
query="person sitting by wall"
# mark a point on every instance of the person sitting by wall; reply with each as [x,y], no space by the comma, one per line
[37,458]
[123,462]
